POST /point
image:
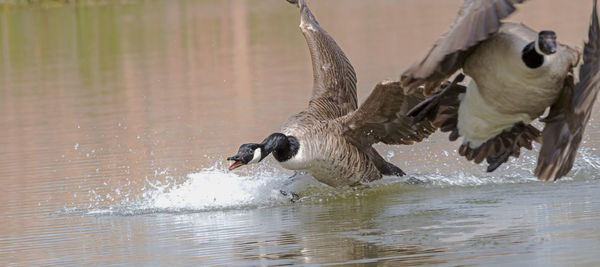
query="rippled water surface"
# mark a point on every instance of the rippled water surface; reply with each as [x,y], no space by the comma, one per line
[116,119]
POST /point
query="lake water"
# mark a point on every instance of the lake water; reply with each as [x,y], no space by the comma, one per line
[117,119]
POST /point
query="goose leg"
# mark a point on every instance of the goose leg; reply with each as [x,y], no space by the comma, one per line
[293,176]
[291,179]
[293,196]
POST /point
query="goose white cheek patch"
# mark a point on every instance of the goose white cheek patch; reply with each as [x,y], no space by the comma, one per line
[537,47]
[257,156]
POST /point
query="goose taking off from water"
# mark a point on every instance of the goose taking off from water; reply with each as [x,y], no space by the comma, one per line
[332,139]
[516,73]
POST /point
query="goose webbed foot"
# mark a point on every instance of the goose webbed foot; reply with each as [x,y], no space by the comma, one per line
[291,195]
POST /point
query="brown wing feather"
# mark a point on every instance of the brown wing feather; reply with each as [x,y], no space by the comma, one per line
[499,149]
[334,86]
[381,118]
[568,117]
[477,20]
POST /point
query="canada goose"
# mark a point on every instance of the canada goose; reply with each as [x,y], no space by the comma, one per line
[332,139]
[516,74]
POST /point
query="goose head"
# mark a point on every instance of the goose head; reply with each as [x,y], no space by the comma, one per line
[546,43]
[283,148]
[247,154]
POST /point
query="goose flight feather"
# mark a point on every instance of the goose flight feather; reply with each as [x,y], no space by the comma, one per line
[382,118]
[477,20]
[334,79]
[569,116]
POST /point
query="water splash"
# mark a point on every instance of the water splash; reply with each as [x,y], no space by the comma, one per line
[216,188]
[213,188]
[587,165]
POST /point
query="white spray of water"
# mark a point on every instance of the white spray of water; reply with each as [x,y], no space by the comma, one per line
[213,188]
[216,188]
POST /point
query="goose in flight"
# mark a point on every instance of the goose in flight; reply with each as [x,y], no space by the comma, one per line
[516,74]
[332,139]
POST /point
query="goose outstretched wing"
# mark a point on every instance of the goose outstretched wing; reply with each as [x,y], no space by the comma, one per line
[381,118]
[569,115]
[334,87]
[477,20]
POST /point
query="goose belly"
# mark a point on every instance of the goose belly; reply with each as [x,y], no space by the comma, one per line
[478,121]
[329,158]
[513,89]
[338,175]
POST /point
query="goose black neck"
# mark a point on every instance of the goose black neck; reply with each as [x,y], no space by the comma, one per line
[283,147]
[531,57]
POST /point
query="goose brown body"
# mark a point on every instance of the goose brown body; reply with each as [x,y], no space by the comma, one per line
[327,157]
[332,138]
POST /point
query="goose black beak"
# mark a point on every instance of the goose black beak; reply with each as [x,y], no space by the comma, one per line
[547,42]
[237,162]
[551,47]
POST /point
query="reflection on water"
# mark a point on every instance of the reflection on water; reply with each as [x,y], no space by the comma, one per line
[116,119]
